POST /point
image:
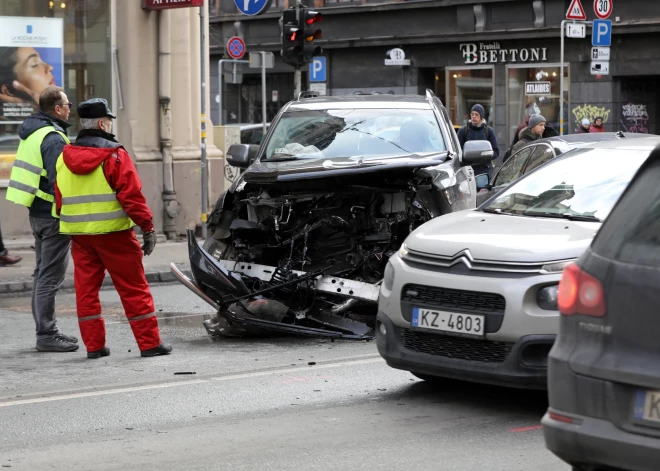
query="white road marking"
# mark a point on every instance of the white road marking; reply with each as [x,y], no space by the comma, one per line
[323,366]
[255,374]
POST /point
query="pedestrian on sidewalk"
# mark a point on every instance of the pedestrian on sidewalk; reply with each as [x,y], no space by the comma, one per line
[584,126]
[532,132]
[478,130]
[597,125]
[98,195]
[5,258]
[32,180]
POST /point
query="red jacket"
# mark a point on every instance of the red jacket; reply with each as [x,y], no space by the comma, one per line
[120,172]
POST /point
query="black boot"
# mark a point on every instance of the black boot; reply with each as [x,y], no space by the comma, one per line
[104,352]
[161,349]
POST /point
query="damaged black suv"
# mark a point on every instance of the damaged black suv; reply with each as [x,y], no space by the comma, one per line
[300,241]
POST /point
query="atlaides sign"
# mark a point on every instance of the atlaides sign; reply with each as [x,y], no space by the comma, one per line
[492,53]
[537,88]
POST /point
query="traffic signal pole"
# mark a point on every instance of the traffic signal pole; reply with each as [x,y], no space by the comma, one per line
[297,75]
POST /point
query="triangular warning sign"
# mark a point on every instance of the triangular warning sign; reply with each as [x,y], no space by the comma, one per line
[575,11]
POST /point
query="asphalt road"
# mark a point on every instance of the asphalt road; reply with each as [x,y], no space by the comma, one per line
[251,404]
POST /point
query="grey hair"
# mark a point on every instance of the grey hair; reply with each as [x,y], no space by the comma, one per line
[89,123]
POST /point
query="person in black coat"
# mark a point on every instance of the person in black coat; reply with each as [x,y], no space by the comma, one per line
[477,130]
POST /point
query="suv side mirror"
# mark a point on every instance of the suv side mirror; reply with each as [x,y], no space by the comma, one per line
[482,181]
[477,152]
[238,155]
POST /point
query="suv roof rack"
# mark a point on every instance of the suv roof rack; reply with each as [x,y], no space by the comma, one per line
[307,94]
[430,96]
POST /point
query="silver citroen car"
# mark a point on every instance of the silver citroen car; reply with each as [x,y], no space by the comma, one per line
[473,295]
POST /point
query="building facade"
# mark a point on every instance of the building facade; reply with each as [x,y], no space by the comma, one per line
[504,54]
[145,62]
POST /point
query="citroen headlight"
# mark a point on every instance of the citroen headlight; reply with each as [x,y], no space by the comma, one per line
[403,251]
[388,276]
[546,298]
[555,267]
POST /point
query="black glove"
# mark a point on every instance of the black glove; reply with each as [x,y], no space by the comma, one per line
[149,239]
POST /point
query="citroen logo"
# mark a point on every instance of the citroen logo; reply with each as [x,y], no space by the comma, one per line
[464,256]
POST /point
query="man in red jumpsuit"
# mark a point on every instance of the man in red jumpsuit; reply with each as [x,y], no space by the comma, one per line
[98,197]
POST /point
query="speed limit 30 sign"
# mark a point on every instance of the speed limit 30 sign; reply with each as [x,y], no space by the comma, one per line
[603,8]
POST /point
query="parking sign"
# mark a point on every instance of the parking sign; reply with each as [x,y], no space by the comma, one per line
[602,33]
[317,70]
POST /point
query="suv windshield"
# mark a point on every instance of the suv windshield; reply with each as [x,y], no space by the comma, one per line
[582,184]
[374,133]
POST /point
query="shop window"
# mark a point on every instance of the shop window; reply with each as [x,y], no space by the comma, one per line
[466,88]
[71,50]
[535,90]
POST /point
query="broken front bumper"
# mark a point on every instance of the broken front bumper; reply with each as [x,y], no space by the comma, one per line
[221,285]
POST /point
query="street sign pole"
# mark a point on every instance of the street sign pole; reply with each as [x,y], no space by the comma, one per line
[263,91]
[297,75]
[204,162]
[562,29]
[220,74]
[561,81]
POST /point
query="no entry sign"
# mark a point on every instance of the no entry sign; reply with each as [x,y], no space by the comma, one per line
[235,47]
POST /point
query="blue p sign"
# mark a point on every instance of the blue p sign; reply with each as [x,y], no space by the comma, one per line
[317,70]
[602,33]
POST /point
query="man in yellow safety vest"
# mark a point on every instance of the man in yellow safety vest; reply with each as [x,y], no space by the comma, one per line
[31,184]
[98,196]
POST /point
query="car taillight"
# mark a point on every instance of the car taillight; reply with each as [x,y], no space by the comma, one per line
[580,293]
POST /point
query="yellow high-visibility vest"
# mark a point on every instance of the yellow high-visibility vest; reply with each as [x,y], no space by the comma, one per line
[89,204]
[29,168]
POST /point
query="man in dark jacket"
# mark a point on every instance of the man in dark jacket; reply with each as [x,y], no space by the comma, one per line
[532,132]
[477,130]
[43,136]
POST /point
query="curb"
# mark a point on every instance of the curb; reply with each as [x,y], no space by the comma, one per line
[28,244]
[157,277]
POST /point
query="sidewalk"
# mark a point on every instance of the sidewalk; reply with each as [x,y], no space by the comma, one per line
[18,278]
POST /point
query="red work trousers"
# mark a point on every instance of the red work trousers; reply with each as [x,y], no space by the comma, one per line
[121,255]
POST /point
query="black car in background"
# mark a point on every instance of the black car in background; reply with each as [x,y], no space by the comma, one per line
[604,368]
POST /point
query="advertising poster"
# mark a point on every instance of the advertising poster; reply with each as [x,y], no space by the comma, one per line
[31,59]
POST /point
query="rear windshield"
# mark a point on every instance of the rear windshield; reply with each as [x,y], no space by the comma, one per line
[581,183]
[632,232]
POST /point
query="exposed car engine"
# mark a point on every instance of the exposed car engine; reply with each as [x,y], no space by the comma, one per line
[347,232]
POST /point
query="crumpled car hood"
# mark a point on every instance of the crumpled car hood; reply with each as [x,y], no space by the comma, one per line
[500,237]
[314,168]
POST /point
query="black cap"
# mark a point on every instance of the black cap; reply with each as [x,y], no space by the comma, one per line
[95,108]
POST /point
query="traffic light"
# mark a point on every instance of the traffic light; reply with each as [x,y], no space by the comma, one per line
[291,38]
[308,26]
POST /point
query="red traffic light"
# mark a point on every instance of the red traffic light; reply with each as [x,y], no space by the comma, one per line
[312,17]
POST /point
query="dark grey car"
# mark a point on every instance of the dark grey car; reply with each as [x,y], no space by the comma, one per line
[536,154]
[604,368]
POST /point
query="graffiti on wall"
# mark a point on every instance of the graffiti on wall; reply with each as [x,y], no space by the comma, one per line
[590,112]
[634,118]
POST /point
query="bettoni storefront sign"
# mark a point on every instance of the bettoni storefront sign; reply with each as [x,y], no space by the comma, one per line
[492,53]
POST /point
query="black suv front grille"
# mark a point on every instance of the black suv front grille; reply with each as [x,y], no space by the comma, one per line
[453,300]
[458,348]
